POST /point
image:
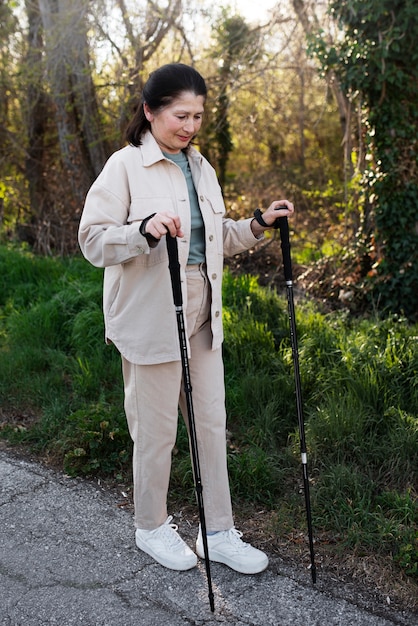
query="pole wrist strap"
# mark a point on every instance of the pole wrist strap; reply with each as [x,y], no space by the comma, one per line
[147,236]
[259,217]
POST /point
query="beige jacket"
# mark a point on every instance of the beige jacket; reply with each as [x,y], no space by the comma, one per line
[139,313]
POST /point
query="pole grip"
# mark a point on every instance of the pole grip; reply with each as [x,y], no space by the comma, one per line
[285,245]
[174,267]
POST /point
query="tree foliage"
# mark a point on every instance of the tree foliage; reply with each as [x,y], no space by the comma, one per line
[71,74]
[377,58]
[236,49]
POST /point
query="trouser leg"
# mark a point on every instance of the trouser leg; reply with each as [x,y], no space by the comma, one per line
[151,407]
[210,421]
[208,396]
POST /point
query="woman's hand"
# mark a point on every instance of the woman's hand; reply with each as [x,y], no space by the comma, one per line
[160,223]
[278,208]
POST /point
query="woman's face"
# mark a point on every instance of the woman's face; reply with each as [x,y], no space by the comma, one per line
[175,125]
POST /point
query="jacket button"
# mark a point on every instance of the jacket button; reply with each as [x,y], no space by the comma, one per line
[141,250]
[202,198]
[214,276]
[210,237]
[217,314]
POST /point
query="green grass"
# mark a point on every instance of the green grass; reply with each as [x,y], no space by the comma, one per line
[61,395]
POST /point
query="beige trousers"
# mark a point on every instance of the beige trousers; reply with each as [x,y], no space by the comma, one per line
[153,394]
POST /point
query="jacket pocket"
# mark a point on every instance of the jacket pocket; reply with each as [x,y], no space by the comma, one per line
[141,208]
[215,219]
[216,204]
[111,288]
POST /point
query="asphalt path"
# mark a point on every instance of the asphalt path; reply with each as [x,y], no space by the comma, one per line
[68,556]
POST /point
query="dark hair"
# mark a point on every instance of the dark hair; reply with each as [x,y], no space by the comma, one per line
[161,88]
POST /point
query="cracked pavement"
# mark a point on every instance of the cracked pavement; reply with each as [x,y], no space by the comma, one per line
[68,556]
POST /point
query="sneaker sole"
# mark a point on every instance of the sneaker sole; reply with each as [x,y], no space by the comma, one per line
[220,558]
[187,564]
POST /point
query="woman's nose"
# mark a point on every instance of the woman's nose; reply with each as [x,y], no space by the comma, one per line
[189,125]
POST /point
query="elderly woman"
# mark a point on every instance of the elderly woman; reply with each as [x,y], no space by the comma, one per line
[160,183]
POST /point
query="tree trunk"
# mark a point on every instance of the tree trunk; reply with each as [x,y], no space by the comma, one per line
[311,26]
[82,147]
[157,22]
[36,115]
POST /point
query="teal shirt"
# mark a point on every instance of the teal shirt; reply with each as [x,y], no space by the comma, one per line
[197,237]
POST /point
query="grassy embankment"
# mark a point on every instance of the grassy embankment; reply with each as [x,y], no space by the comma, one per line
[61,396]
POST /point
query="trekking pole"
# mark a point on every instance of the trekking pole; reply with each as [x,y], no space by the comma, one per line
[174,266]
[287,265]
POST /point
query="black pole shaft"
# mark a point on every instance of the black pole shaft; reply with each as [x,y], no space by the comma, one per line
[287,266]
[174,267]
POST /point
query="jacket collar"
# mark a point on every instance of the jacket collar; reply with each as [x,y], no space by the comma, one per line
[151,151]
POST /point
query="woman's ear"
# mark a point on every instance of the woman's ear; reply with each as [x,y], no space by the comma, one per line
[148,112]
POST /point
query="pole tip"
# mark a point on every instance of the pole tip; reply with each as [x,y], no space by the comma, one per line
[212,603]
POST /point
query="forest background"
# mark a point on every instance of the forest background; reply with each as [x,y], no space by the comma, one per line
[317,102]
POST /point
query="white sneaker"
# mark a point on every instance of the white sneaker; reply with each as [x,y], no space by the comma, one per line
[227,547]
[166,546]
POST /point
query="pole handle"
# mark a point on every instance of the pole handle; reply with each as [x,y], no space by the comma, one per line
[285,245]
[174,267]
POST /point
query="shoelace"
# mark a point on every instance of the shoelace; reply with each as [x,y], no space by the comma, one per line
[234,537]
[167,533]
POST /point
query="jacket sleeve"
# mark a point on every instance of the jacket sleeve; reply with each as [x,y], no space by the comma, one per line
[237,236]
[104,235]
